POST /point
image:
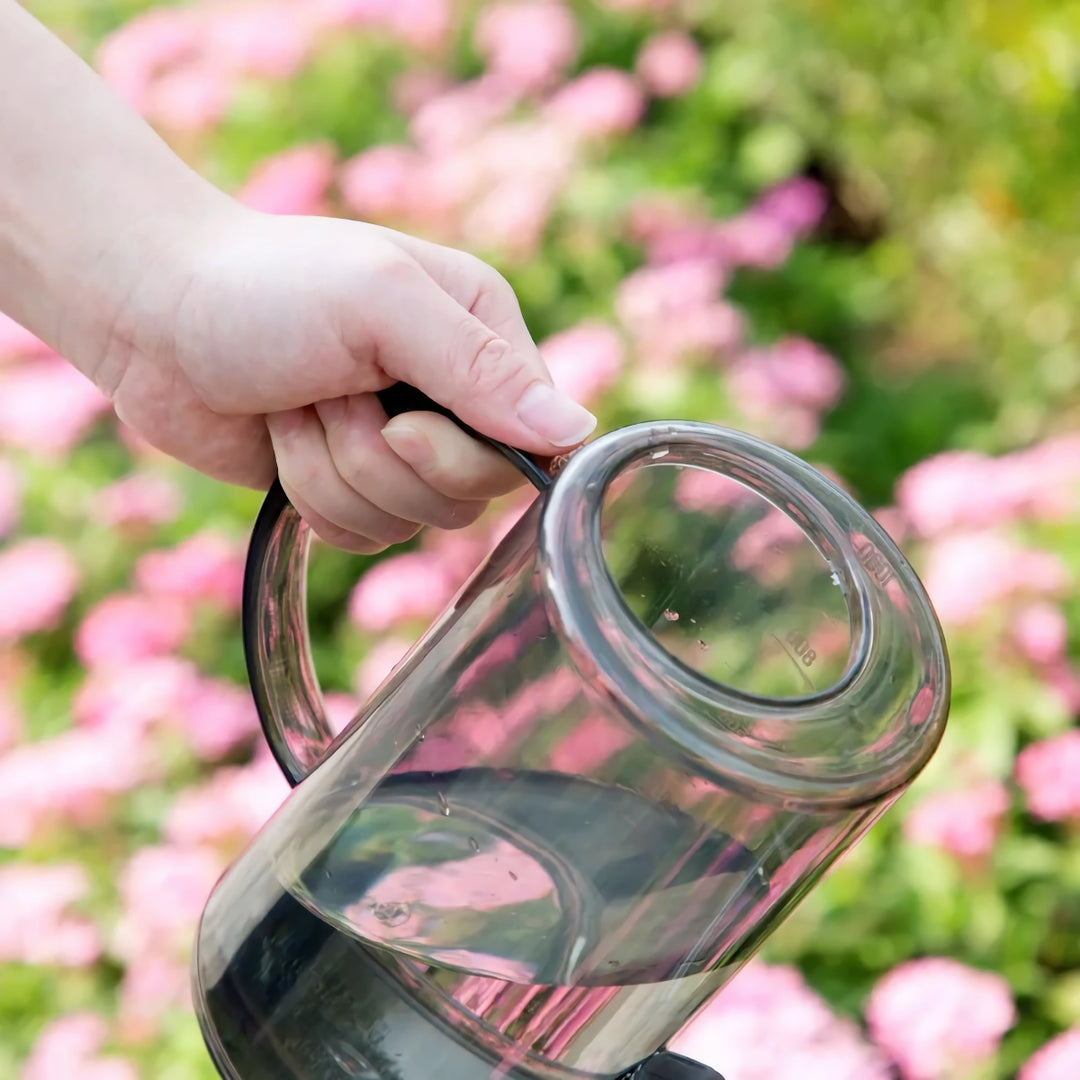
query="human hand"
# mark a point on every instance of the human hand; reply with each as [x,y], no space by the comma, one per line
[258,348]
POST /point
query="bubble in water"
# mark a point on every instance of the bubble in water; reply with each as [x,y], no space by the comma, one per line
[444,805]
[658,454]
[391,913]
[671,616]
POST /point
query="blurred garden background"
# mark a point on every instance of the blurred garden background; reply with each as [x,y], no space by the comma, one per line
[852,228]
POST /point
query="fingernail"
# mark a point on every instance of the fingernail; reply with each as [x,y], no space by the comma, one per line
[410,444]
[554,416]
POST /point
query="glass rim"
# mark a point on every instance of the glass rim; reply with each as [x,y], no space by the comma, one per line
[666,697]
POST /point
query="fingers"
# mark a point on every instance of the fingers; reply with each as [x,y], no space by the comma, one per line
[363,491]
[450,462]
[340,515]
[366,462]
[452,327]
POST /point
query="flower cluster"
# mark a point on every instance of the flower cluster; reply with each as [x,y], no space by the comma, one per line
[686,240]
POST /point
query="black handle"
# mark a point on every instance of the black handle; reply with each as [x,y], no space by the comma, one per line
[402,398]
[274,619]
[664,1065]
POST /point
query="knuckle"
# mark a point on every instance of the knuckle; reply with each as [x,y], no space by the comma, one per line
[485,372]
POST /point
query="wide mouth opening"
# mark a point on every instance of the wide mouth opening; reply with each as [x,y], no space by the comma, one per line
[728,582]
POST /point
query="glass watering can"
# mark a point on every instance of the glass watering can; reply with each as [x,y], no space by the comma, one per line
[691,676]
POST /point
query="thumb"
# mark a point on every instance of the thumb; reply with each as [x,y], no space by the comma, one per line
[487,372]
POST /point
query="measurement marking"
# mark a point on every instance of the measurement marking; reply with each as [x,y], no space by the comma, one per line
[795,660]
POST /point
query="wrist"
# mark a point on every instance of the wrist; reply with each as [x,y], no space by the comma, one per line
[131,285]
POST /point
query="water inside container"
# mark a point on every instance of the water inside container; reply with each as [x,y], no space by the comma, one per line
[518,894]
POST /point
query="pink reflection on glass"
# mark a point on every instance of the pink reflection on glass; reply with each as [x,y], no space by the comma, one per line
[595,740]
[764,547]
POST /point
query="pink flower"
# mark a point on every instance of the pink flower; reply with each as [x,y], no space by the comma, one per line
[206,567]
[767,1024]
[765,547]
[293,182]
[423,24]
[593,742]
[10,722]
[153,986]
[1049,773]
[1041,633]
[1059,1059]
[217,716]
[965,823]
[38,579]
[785,387]
[37,928]
[68,778]
[585,360]
[229,808]
[670,64]
[702,490]
[191,98]
[456,118]
[967,573]
[136,696]
[163,890]
[67,1048]
[754,238]
[709,330]
[124,627]
[637,5]
[10,495]
[130,57]
[937,1017]
[798,204]
[529,44]
[137,502]
[46,406]
[602,102]
[413,89]
[958,488]
[341,710]
[961,489]
[17,342]
[416,585]
[379,663]
[267,39]
[381,183]
[510,218]
[658,295]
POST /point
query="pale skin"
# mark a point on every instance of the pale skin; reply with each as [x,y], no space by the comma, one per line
[248,345]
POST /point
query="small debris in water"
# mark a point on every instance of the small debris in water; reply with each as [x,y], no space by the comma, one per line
[474,845]
[702,645]
[444,805]
[658,454]
[672,616]
[513,876]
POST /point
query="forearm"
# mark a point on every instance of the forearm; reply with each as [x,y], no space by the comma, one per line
[90,197]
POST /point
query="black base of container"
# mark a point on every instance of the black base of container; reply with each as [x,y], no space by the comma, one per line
[663,1065]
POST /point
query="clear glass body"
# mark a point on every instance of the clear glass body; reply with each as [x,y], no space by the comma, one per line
[687,680]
